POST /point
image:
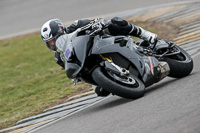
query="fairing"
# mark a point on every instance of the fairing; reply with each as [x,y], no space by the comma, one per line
[147,66]
[73,49]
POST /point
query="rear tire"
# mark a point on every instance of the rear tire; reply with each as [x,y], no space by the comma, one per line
[123,90]
[181,65]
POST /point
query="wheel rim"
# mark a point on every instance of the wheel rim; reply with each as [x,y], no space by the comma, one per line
[179,57]
[128,80]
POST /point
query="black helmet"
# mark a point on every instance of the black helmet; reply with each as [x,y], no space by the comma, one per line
[52,29]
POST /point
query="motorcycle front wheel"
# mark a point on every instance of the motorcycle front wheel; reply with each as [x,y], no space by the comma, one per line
[130,87]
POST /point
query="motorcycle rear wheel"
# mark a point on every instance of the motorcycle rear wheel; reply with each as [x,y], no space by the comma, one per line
[181,65]
[102,78]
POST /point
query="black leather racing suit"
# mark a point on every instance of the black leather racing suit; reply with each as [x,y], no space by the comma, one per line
[117,26]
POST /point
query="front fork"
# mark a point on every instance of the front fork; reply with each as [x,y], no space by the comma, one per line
[115,68]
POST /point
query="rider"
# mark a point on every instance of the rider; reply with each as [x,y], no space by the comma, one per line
[54,28]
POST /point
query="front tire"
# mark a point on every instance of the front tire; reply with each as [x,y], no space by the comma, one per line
[120,89]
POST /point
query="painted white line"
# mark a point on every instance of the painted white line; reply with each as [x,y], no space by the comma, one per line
[37,128]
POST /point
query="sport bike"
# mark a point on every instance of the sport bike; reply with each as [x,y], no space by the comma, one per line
[119,65]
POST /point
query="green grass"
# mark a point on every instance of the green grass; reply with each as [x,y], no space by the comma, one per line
[30,79]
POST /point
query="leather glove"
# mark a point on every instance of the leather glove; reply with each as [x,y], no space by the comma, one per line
[148,36]
[98,25]
[119,26]
[120,22]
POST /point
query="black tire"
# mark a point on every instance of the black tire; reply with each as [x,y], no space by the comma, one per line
[181,65]
[116,88]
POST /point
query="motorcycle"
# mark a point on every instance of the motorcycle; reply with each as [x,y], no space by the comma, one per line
[117,64]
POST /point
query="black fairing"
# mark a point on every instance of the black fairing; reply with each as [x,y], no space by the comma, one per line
[105,45]
[78,55]
[146,66]
[120,48]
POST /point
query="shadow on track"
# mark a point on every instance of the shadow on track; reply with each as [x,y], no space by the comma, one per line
[163,84]
[115,101]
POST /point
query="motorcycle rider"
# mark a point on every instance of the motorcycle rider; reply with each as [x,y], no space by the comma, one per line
[54,28]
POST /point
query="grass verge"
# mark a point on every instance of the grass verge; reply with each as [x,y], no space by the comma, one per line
[30,79]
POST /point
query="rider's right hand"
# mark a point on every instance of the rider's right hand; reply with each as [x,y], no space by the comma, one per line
[148,36]
[97,26]
[152,38]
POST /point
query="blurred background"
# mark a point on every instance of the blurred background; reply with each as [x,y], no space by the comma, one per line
[24,16]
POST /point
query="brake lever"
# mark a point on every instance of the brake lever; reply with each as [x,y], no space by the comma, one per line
[154,44]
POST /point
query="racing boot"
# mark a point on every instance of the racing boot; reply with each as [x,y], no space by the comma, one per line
[101,92]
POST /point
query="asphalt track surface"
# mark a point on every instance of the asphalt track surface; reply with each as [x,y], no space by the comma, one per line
[171,106]
[25,16]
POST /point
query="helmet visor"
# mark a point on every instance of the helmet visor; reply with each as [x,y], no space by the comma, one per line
[51,44]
